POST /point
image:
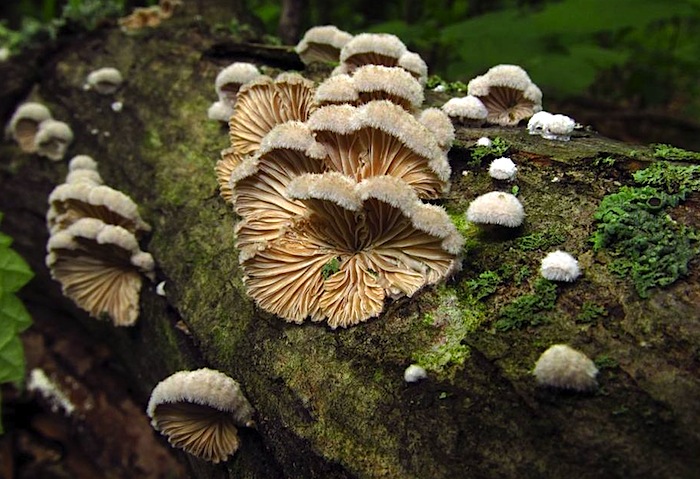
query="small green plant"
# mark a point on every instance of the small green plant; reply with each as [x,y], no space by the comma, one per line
[528,309]
[605,362]
[330,268]
[484,285]
[607,162]
[540,240]
[591,312]
[14,318]
[634,227]
[668,152]
[497,149]
[456,87]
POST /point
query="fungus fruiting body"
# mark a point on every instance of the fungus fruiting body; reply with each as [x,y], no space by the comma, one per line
[322,44]
[105,81]
[199,411]
[560,266]
[414,373]
[536,124]
[439,125]
[484,141]
[563,367]
[52,139]
[25,122]
[503,169]
[377,82]
[467,111]
[230,79]
[496,208]
[508,94]
[559,127]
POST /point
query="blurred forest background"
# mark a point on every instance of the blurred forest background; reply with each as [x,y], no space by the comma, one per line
[629,68]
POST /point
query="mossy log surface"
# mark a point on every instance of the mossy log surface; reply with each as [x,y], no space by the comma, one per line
[334,404]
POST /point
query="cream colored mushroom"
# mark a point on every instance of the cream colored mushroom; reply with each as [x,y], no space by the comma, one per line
[105,81]
[25,122]
[229,81]
[377,82]
[357,244]
[53,139]
[100,268]
[263,103]
[508,94]
[371,49]
[468,111]
[199,411]
[439,125]
[381,138]
[337,90]
[322,44]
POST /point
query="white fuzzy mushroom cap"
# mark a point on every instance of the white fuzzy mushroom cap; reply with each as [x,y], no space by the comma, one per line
[33,111]
[538,121]
[205,387]
[52,139]
[236,74]
[379,43]
[396,82]
[496,208]
[559,127]
[415,65]
[465,108]
[414,373]
[105,80]
[220,111]
[484,141]
[503,169]
[563,367]
[324,35]
[435,120]
[511,76]
[336,90]
[560,266]
[82,162]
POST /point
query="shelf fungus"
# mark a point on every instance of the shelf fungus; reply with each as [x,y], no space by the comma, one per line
[508,94]
[264,103]
[53,139]
[25,122]
[377,82]
[227,84]
[105,81]
[439,124]
[322,44]
[93,249]
[337,90]
[467,111]
[380,49]
[356,245]
[100,267]
[381,138]
[199,411]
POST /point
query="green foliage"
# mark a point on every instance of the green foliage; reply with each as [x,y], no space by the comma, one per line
[591,312]
[484,285]
[528,309]
[497,149]
[607,161]
[605,362]
[14,273]
[453,88]
[330,268]
[540,240]
[668,152]
[634,226]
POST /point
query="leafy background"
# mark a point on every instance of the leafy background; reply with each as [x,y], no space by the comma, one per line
[14,318]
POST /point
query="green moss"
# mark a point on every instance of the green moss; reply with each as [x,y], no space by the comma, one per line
[330,268]
[541,241]
[591,312]
[529,309]
[607,161]
[635,228]
[668,152]
[435,81]
[497,149]
[604,361]
[484,285]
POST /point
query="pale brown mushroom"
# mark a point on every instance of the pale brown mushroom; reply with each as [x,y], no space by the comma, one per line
[381,138]
[199,411]
[25,122]
[356,244]
[322,44]
[508,94]
[100,268]
[263,103]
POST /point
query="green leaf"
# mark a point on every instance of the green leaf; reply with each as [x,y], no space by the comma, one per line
[11,357]
[13,314]
[14,271]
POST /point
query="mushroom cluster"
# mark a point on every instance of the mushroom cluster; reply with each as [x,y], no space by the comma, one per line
[228,82]
[329,184]
[93,250]
[32,126]
[322,44]
[151,16]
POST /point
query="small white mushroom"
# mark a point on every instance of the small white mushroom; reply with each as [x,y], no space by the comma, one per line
[559,127]
[467,110]
[503,169]
[105,81]
[560,266]
[52,139]
[496,208]
[25,122]
[414,373]
[563,367]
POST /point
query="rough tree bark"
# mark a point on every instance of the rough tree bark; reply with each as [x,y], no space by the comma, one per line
[333,404]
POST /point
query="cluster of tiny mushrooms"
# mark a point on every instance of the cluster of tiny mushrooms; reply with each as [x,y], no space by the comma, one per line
[329,182]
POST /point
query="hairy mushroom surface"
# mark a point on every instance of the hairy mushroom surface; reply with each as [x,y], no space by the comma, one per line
[371,49]
[199,411]
[322,44]
[357,244]
[100,268]
[229,81]
[467,111]
[337,90]
[508,94]
[25,122]
[435,120]
[377,82]
[52,139]
[381,138]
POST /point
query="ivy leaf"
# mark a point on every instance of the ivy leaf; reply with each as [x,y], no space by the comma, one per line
[13,313]
[14,271]
[11,356]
